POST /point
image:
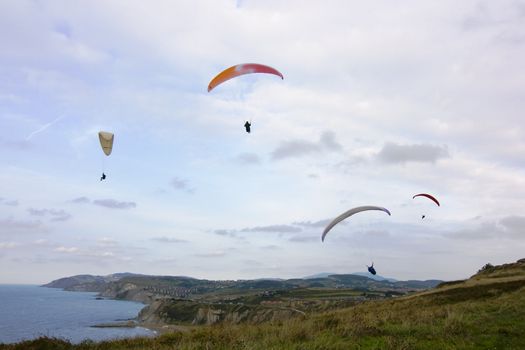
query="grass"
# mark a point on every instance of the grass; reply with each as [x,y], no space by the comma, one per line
[318,293]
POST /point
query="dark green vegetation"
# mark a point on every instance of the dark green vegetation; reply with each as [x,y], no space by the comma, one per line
[486,311]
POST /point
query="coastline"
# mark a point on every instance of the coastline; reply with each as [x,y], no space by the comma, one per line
[32,311]
[163,329]
[157,327]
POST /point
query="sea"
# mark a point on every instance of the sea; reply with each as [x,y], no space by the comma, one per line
[28,312]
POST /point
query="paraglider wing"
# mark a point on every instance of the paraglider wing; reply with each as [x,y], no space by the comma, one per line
[349,213]
[241,69]
[106,141]
[428,196]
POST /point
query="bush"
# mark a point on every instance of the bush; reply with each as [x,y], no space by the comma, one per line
[487,267]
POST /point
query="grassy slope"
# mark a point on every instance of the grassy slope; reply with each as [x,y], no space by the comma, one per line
[485,312]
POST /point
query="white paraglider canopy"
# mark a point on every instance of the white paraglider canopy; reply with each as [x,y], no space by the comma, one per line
[106,141]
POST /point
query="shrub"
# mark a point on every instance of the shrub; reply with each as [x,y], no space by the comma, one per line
[486,268]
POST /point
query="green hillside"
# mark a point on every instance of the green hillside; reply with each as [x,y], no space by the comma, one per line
[486,311]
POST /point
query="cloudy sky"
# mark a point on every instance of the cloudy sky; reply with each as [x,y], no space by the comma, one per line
[380,100]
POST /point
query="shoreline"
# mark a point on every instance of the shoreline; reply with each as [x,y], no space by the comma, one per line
[116,324]
[157,329]
[163,329]
[105,320]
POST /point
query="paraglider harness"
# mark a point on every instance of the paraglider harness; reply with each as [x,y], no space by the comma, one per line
[247,125]
[371,269]
[103,177]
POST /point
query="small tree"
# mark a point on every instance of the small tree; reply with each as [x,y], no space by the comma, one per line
[486,267]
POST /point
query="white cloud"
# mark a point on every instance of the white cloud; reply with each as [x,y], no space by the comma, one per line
[11,224]
[8,245]
[168,240]
[297,148]
[509,227]
[248,158]
[181,185]
[215,254]
[106,241]
[304,239]
[80,200]
[395,153]
[273,229]
[63,249]
[514,225]
[40,241]
[56,215]
[112,203]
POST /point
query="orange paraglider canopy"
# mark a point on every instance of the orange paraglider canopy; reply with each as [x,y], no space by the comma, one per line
[241,69]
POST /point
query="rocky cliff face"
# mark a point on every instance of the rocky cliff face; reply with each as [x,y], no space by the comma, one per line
[253,315]
[151,314]
[208,316]
[126,291]
[165,311]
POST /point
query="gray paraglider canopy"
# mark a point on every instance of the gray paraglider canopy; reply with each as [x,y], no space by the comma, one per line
[349,213]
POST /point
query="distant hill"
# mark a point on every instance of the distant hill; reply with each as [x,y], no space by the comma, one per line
[193,286]
[364,274]
[319,275]
[375,277]
[85,282]
[70,282]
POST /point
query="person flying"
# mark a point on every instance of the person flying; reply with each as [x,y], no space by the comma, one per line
[371,269]
[247,125]
[106,142]
[429,196]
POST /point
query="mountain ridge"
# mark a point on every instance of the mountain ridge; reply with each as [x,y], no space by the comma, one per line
[95,283]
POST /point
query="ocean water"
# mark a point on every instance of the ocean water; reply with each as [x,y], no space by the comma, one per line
[27,312]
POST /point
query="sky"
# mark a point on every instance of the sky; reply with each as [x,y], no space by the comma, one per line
[380,101]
